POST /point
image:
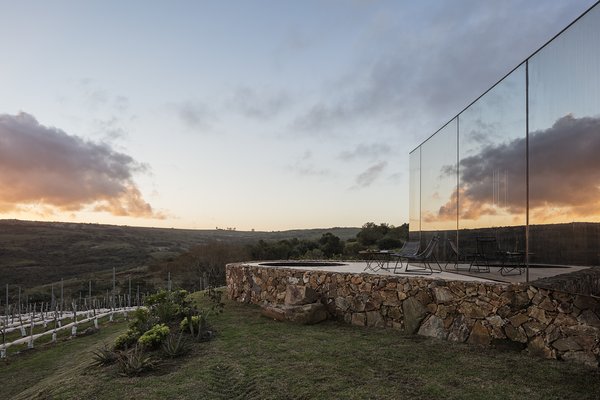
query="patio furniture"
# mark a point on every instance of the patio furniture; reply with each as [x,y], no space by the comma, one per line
[376,259]
[410,248]
[458,256]
[513,261]
[425,257]
[487,253]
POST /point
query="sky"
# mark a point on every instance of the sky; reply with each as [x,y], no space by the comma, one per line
[265,115]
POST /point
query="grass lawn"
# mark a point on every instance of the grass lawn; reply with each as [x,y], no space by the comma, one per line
[256,358]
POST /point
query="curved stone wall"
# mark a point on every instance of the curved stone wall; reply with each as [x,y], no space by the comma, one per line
[547,323]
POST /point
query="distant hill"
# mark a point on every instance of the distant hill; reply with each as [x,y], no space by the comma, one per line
[34,253]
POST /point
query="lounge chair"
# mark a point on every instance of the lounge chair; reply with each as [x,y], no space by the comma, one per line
[458,257]
[425,257]
[488,254]
[410,249]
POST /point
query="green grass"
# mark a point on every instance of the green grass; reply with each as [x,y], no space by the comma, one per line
[256,358]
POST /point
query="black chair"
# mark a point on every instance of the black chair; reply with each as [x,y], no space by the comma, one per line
[425,258]
[410,249]
[488,254]
[458,257]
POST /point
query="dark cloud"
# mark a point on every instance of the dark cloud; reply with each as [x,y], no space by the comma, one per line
[45,166]
[259,104]
[564,175]
[366,151]
[370,175]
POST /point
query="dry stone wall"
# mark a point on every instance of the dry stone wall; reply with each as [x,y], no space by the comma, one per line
[547,323]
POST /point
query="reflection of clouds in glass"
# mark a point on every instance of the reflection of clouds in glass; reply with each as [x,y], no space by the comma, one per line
[565,170]
[564,175]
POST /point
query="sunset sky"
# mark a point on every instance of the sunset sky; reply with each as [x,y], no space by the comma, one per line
[263,115]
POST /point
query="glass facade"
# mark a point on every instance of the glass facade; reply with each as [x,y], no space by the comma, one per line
[522,162]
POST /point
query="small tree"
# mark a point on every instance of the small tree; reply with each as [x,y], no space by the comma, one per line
[331,245]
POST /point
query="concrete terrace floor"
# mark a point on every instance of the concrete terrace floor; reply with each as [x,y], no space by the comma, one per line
[449,274]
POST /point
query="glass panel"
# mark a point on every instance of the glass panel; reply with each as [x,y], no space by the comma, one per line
[438,187]
[564,146]
[492,167]
[414,200]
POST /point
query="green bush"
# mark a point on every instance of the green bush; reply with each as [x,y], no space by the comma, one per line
[127,339]
[168,306]
[142,320]
[185,324]
[155,336]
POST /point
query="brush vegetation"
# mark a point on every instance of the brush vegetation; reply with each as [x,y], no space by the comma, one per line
[252,357]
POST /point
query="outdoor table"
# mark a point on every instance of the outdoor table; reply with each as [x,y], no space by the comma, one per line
[376,259]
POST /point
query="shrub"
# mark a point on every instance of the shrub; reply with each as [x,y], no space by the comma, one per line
[135,361]
[166,312]
[168,306]
[185,324]
[142,320]
[127,339]
[155,336]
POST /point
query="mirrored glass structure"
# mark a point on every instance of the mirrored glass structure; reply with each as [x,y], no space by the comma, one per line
[521,164]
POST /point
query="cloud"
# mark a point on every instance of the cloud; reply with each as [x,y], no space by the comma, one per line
[366,151]
[434,68]
[370,175]
[98,98]
[256,104]
[304,166]
[564,176]
[195,115]
[46,167]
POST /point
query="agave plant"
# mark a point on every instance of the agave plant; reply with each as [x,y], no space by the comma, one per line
[175,346]
[135,361]
[104,356]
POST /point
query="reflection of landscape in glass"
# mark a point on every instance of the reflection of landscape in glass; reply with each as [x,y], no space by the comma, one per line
[414,201]
[492,169]
[564,158]
[438,180]
[564,112]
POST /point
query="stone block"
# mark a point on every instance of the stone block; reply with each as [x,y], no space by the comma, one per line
[471,310]
[375,319]
[359,319]
[532,328]
[538,314]
[479,335]
[442,295]
[459,331]
[296,295]
[537,347]
[273,312]
[566,344]
[547,305]
[414,312]
[586,302]
[306,314]
[518,319]
[588,317]
[516,334]
[433,327]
